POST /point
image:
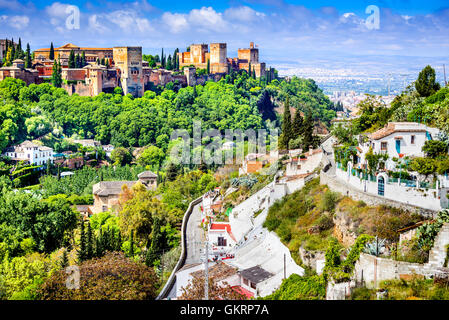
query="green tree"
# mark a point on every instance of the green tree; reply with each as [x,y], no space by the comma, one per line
[151,156]
[64,259]
[82,250]
[28,63]
[208,66]
[72,60]
[120,277]
[286,134]
[426,84]
[56,78]
[297,129]
[52,52]
[121,156]
[435,148]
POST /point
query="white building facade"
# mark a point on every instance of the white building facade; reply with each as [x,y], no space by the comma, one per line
[31,153]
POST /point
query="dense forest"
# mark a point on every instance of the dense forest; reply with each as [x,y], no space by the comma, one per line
[43,110]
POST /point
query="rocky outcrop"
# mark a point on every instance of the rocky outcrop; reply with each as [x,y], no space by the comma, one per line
[345,228]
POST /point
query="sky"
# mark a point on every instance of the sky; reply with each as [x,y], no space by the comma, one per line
[291,34]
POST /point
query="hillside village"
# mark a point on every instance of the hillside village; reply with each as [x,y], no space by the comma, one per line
[331,210]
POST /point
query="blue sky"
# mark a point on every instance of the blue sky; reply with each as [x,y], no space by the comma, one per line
[290,33]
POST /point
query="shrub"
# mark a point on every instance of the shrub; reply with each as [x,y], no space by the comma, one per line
[329,201]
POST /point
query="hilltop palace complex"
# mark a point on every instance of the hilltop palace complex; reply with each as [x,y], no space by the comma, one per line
[127,70]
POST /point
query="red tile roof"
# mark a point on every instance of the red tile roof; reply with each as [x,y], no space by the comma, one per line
[221,226]
[243,291]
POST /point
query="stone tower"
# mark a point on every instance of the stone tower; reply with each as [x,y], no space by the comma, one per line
[129,61]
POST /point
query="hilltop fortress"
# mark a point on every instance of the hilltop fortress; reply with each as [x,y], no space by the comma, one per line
[199,57]
[126,69]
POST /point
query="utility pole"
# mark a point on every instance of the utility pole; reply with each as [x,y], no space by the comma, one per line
[285,271]
[206,271]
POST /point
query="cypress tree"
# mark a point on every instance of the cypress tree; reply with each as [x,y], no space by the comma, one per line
[162,59]
[71,63]
[250,70]
[64,263]
[286,135]
[297,129]
[56,80]
[308,131]
[89,246]
[208,66]
[52,52]
[83,59]
[13,50]
[28,63]
[119,242]
[82,251]
[6,47]
[131,244]
[169,63]
[19,52]
[99,245]
[59,173]
[157,242]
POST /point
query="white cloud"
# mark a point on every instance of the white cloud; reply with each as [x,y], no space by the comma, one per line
[176,21]
[244,13]
[16,22]
[57,10]
[208,19]
[96,26]
[128,21]
[10,4]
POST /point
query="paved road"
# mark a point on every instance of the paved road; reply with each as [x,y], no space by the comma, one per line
[195,237]
[327,146]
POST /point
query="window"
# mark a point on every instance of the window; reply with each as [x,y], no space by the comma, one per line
[253,285]
[221,242]
[105,208]
[412,139]
[245,282]
[384,146]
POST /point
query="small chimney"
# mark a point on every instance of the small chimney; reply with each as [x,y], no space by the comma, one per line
[251,45]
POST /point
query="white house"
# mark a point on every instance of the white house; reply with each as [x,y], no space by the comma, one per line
[298,166]
[31,153]
[88,142]
[221,238]
[398,140]
[108,149]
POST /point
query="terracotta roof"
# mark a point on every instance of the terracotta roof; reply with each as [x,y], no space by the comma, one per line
[243,291]
[223,226]
[390,129]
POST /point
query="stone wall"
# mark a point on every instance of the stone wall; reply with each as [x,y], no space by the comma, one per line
[370,270]
[347,190]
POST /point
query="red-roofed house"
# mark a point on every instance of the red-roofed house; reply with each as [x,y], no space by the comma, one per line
[221,238]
